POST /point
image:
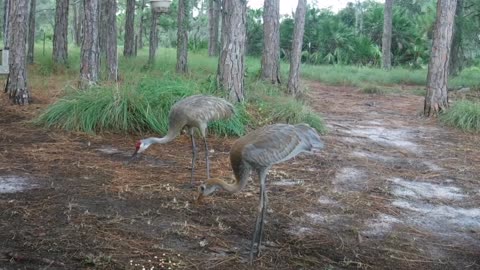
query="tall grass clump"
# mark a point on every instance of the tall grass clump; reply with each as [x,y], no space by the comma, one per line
[463,114]
[284,109]
[138,107]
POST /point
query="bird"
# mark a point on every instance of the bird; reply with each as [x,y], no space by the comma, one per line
[191,112]
[258,151]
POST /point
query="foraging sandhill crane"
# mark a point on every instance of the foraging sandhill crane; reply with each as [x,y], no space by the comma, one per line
[192,112]
[258,151]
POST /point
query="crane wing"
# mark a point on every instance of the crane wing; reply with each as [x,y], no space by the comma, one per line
[272,144]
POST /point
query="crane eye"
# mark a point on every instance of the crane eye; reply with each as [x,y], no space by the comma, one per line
[202,188]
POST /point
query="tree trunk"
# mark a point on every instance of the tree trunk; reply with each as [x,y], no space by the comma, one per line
[387,35]
[296,54]
[60,39]
[231,65]
[128,48]
[436,99]
[153,39]
[102,27]
[77,21]
[213,26]
[271,41]
[6,12]
[90,55]
[140,27]
[111,38]
[182,35]
[457,57]
[31,32]
[17,78]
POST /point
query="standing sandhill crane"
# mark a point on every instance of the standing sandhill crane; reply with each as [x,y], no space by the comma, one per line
[258,151]
[192,112]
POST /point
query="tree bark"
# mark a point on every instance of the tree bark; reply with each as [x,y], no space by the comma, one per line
[90,55]
[457,57]
[153,39]
[182,35]
[31,32]
[60,38]
[297,43]
[387,35]
[128,48]
[213,26]
[436,98]
[111,39]
[17,78]
[271,41]
[140,27]
[102,27]
[231,64]
[6,19]
[77,21]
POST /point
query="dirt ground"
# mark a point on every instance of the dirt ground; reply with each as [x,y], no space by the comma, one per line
[391,190]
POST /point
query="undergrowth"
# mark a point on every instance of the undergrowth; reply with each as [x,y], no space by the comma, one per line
[463,114]
[142,100]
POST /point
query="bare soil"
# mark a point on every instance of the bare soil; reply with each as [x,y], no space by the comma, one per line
[391,190]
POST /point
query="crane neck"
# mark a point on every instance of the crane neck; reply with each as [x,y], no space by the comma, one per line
[168,138]
[240,181]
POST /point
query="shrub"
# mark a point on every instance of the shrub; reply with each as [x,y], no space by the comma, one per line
[464,115]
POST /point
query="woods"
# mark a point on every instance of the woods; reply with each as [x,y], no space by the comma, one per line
[280,134]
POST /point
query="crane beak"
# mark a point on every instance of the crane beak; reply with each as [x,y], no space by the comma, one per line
[199,199]
[134,156]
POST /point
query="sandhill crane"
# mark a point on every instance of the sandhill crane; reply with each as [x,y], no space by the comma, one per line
[192,112]
[258,151]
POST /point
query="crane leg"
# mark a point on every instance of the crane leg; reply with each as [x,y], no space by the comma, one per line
[206,157]
[194,157]
[262,210]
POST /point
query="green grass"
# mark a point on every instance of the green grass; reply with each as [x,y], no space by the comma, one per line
[356,76]
[143,98]
[373,89]
[137,107]
[464,115]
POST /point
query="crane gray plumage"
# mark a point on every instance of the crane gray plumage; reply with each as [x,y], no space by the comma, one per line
[258,151]
[190,113]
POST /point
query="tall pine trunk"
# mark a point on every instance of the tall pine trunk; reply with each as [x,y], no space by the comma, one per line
[213,26]
[182,35]
[102,27]
[60,39]
[153,39]
[17,39]
[6,21]
[77,23]
[111,39]
[129,40]
[90,54]
[231,64]
[457,57]
[436,98]
[297,43]
[271,41]
[31,32]
[387,35]
[141,27]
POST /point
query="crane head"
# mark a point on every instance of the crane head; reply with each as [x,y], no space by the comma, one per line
[205,190]
[140,146]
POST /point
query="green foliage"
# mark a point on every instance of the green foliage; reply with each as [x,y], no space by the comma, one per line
[357,76]
[137,107]
[254,32]
[373,89]
[419,92]
[464,115]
